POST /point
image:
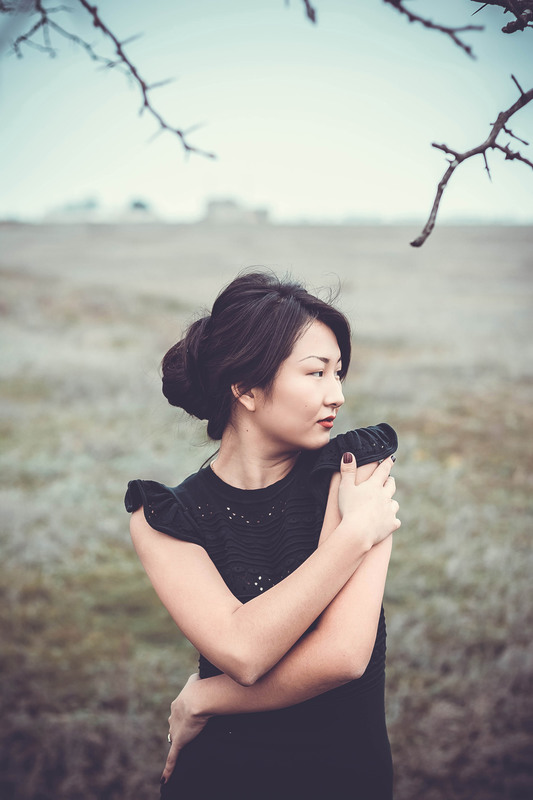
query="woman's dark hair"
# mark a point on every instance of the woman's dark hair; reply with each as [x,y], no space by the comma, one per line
[252,328]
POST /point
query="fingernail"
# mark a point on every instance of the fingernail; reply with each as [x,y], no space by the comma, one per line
[393,458]
[163,780]
[347,458]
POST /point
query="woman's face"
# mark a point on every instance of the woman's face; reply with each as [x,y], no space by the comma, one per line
[299,411]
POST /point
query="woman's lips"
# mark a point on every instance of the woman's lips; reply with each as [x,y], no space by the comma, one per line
[327,423]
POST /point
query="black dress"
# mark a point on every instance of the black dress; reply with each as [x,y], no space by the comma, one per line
[332,746]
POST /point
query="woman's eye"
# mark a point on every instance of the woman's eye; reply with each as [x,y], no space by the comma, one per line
[318,374]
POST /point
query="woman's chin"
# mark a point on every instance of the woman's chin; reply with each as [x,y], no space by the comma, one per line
[320,439]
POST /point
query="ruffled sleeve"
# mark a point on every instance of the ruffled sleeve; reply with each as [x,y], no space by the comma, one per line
[367,444]
[163,510]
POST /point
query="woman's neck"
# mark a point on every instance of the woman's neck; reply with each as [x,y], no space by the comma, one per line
[245,463]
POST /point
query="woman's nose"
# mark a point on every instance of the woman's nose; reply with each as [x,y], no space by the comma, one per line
[336,397]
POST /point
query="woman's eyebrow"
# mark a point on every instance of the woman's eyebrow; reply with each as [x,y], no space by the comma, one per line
[320,358]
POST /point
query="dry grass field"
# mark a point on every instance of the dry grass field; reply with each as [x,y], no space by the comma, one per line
[443,341]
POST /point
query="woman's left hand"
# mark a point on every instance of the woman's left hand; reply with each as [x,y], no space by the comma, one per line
[185,723]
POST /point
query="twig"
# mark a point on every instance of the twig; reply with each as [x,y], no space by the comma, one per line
[458,158]
[509,132]
[47,24]
[310,11]
[452,32]
[141,83]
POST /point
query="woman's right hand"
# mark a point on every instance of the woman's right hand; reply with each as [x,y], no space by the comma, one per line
[184,725]
[368,507]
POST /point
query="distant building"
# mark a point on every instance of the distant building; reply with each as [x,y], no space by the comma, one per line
[80,211]
[90,211]
[230,212]
[137,211]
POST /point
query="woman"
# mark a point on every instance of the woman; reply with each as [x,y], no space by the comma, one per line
[272,560]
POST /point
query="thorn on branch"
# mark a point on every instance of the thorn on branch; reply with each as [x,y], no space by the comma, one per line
[487,165]
[131,39]
[509,132]
[194,128]
[517,85]
[158,84]
[110,64]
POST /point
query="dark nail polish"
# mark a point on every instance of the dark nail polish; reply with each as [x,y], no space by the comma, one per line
[163,780]
[347,458]
[393,458]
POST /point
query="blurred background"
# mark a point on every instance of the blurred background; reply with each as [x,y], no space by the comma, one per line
[111,241]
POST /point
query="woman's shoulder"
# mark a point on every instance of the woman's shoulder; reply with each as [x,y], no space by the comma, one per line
[373,443]
[167,509]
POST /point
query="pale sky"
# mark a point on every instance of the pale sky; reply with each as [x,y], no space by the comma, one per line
[321,122]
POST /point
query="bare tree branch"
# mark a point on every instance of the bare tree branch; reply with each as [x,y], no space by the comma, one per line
[521,9]
[46,24]
[399,5]
[144,87]
[489,143]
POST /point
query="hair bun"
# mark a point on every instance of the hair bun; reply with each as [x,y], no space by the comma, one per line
[182,381]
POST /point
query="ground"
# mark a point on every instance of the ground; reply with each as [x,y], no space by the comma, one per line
[442,351]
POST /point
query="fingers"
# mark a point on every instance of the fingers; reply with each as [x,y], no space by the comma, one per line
[348,466]
[170,763]
[390,486]
[382,474]
[172,756]
[382,471]
[395,508]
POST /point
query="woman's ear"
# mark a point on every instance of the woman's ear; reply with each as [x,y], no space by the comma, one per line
[247,399]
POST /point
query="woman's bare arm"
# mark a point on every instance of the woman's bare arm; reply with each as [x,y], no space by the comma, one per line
[335,652]
[329,656]
[246,641]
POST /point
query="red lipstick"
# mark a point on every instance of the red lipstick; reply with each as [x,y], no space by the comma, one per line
[327,423]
